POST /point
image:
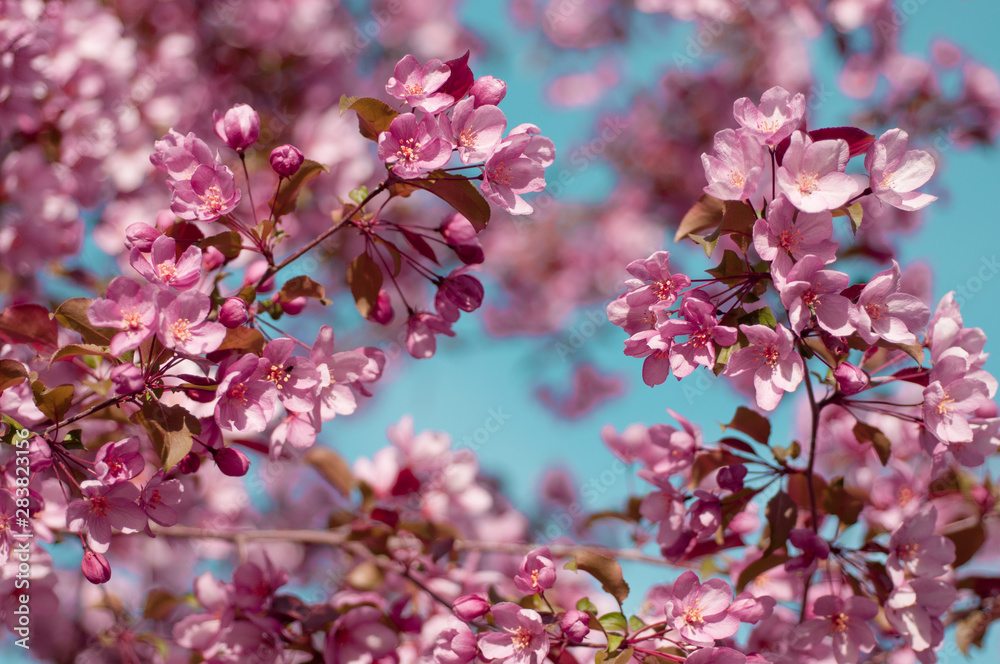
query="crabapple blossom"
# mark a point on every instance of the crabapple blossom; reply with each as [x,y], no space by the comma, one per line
[777,368]
[184,325]
[510,172]
[847,620]
[700,611]
[812,174]
[210,193]
[160,497]
[733,171]
[180,156]
[413,148]
[884,312]
[166,268]
[296,378]
[119,461]
[950,397]
[286,160]
[537,573]
[470,607]
[488,91]
[850,379]
[420,330]
[128,307]
[127,379]
[239,127]
[704,333]
[246,400]
[785,236]
[234,312]
[455,645]
[460,235]
[896,172]
[575,625]
[95,567]
[141,236]
[809,291]
[778,115]
[716,656]
[102,508]
[523,639]
[914,609]
[654,286]
[474,130]
[418,85]
[914,548]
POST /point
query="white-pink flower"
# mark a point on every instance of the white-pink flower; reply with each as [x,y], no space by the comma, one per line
[884,312]
[777,368]
[418,86]
[475,131]
[778,115]
[895,171]
[733,170]
[413,148]
[812,174]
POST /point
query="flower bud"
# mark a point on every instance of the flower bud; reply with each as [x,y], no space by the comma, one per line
[488,91]
[232,462]
[382,312]
[286,160]
[459,234]
[234,312]
[455,645]
[470,607]
[189,464]
[988,410]
[127,379]
[850,379]
[294,306]
[95,567]
[212,258]
[141,236]
[575,625]
[730,478]
[253,274]
[239,127]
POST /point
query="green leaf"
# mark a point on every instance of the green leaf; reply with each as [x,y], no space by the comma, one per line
[635,623]
[625,656]
[302,286]
[229,244]
[365,279]
[28,324]
[606,570]
[706,213]
[332,467]
[731,269]
[782,514]
[751,423]
[866,433]
[12,373]
[171,430]
[288,194]
[460,194]
[614,640]
[345,103]
[586,605]
[613,622]
[854,212]
[73,440]
[707,243]
[359,195]
[54,403]
[374,116]
[72,315]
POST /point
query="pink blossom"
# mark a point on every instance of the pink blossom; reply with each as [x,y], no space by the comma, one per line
[458,292]
[488,91]
[418,86]
[813,548]
[239,127]
[510,172]
[850,379]
[414,148]
[750,609]
[847,621]
[679,445]
[160,497]
[127,379]
[778,115]
[296,378]
[470,607]
[184,325]
[359,635]
[234,312]
[914,609]
[420,330]
[141,236]
[286,160]
[231,461]
[700,611]
[716,656]
[950,397]
[785,234]
[632,445]
[128,307]
[704,333]
[95,567]
[705,514]
[538,148]
[246,401]
[455,644]
[654,286]
[297,430]
[209,194]
[896,172]
[812,174]
[461,236]
[777,367]
[167,270]
[733,171]
[809,290]
[537,572]
[180,156]
[884,312]
[119,461]
[474,130]
[8,512]
[914,548]
[575,625]
[522,639]
[337,371]
[103,507]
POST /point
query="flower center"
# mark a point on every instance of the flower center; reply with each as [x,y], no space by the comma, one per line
[692,616]
[238,393]
[888,181]
[701,337]
[737,178]
[521,638]
[132,319]
[155,499]
[415,89]
[943,407]
[212,199]
[769,354]
[99,505]
[468,138]
[767,125]
[500,174]
[839,622]
[810,298]
[788,240]
[807,183]
[664,289]
[408,150]
[875,310]
[907,552]
[278,375]
[167,271]
[115,466]
[904,496]
[179,329]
